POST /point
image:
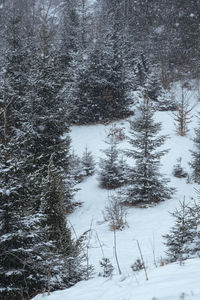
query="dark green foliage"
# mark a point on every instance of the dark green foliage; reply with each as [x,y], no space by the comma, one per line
[146,184]
[59,235]
[76,170]
[195,163]
[18,240]
[107,267]
[165,102]
[183,239]
[98,87]
[178,169]
[138,265]
[148,78]
[87,162]
[113,170]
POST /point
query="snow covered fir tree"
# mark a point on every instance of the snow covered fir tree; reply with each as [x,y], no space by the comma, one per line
[113,169]
[146,183]
[87,162]
[195,163]
[183,239]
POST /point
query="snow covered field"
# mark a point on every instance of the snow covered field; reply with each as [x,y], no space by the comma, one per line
[168,282]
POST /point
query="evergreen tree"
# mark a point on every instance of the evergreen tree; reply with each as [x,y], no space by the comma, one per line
[69,22]
[21,271]
[87,162]
[15,63]
[112,173]
[107,267]
[180,240]
[48,111]
[195,163]
[165,102]
[53,209]
[178,170]
[148,77]
[147,185]
[98,85]
[76,170]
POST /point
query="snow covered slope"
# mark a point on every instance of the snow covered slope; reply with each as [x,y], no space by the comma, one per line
[172,282]
[169,282]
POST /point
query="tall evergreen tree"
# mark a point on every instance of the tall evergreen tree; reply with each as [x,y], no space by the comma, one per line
[59,235]
[47,110]
[146,184]
[18,236]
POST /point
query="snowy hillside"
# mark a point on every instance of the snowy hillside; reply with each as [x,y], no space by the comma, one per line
[168,282]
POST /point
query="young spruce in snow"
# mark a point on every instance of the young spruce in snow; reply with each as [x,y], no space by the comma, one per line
[183,240]
[146,184]
[87,162]
[112,172]
[195,164]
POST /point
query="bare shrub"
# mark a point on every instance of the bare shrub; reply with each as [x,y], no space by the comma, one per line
[182,116]
[115,213]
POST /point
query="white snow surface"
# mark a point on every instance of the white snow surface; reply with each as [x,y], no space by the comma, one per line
[168,282]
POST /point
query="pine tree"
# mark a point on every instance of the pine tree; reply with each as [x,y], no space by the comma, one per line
[68,25]
[15,63]
[148,77]
[182,233]
[98,85]
[87,162]
[146,184]
[178,170]
[107,267]
[48,111]
[195,163]
[68,263]
[112,172]
[76,167]
[21,272]
[165,101]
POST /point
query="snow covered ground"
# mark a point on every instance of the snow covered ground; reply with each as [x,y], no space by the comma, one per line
[168,282]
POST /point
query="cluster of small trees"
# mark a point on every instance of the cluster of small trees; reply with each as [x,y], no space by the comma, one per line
[144,183]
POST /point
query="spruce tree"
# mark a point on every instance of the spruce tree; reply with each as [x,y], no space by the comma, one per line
[195,163]
[76,170]
[15,65]
[166,101]
[59,235]
[146,184]
[98,86]
[21,272]
[87,162]
[112,173]
[180,241]
[48,111]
